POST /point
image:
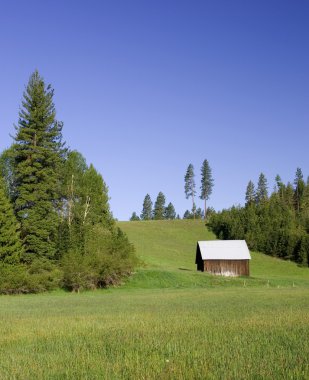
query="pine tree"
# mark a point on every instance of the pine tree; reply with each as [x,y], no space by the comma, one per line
[299,188]
[190,186]
[280,185]
[207,184]
[159,207]
[134,217]
[147,208]
[10,244]
[38,155]
[261,191]
[250,194]
[170,212]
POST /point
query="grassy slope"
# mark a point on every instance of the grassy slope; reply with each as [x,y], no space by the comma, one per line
[168,250]
[186,325]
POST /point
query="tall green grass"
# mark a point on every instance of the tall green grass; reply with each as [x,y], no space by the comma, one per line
[156,334]
[167,322]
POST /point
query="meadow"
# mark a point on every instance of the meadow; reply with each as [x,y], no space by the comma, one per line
[166,322]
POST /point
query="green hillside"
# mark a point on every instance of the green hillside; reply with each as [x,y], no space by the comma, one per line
[167,322]
[167,250]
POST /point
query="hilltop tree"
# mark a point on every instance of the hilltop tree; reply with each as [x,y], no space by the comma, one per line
[10,244]
[250,194]
[159,207]
[38,155]
[134,217]
[261,191]
[207,184]
[190,186]
[170,212]
[147,208]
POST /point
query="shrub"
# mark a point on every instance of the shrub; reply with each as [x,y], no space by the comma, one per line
[40,276]
[106,259]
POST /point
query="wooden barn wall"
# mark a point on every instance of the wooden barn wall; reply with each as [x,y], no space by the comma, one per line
[227,267]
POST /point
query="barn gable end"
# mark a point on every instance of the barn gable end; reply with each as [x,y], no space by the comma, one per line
[223,257]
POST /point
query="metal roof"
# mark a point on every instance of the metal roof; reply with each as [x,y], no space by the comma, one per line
[224,250]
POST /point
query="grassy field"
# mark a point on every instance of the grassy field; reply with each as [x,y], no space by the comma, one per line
[166,322]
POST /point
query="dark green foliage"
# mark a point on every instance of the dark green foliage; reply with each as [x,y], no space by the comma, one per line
[107,259]
[250,194]
[7,172]
[187,215]
[38,155]
[10,244]
[198,214]
[170,212]
[134,217]
[62,208]
[159,207]
[190,186]
[272,226]
[147,208]
[261,191]
[40,276]
[299,189]
[207,184]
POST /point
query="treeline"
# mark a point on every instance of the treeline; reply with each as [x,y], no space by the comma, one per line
[277,225]
[159,212]
[56,227]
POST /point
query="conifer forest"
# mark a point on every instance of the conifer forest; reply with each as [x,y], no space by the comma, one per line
[56,227]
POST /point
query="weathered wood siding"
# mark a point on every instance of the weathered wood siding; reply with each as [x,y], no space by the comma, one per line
[227,267]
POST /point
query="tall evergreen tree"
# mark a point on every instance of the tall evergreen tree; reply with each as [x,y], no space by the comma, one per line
[280,185]
[261,191]
[190,186]
[159,207]
[38,155]
[147,208]
[10,244]
[207,184]
[250,194]
[170,212]
[299,188]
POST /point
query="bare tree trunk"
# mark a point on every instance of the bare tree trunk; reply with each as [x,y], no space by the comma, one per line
[87,206]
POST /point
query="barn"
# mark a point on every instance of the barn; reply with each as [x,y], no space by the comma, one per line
[223,257]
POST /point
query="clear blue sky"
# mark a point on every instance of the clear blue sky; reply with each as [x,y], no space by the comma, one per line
[146,87]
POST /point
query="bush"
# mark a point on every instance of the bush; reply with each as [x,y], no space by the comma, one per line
[40,276]
[106,259]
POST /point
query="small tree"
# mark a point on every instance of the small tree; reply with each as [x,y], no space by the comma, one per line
[147,208]
[159,207]
[190,186]
[207,184]
[134,217]
[170,212]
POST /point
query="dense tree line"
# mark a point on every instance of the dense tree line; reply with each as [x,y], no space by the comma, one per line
[277,225]
[158,211]
[56,228]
